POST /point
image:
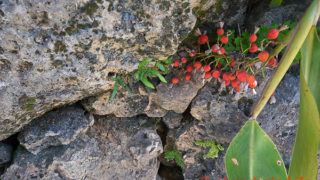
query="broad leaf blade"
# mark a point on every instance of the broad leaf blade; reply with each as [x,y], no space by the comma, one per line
[144,63]
[304,156]
[167,61]
[157,73]
[146,82]
[161,66]
[252,154]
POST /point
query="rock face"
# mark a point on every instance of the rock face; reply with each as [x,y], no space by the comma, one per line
[113,148]
[57,52]
[6,152]
[220,117]
[59,127]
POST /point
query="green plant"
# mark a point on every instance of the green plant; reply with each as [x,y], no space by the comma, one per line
[143,72]
[118,82]
[214,148]
[252,154]
[173,155]
[275,3]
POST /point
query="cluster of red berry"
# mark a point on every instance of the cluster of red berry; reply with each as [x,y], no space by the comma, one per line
[218,64]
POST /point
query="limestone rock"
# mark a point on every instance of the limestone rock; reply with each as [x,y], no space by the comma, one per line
[6,152]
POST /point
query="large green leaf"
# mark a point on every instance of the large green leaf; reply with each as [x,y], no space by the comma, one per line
[157,73]
[144,63]
[252,154]
[304,156]
[146,82]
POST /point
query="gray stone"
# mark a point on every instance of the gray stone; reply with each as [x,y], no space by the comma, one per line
[125,104]
[172,119]
[177,97]
[6,153]
[58,52]
[58,127]
[220,118]
[113,148]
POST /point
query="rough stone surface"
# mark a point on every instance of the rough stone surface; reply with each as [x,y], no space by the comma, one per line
[58,127]
[221,117]
[57,52]
[177,97]
[113,148]
[125,104]
[172,119]
[6,152]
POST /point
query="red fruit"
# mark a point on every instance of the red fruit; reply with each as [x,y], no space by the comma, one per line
[189,68]
[226,76]
[197,65]
[253,85]
[251,79]
[273,33]
[206,68]
[175,80]
[192,53]
[203,39]
[242,75]
[184,60]
[187,76]
[215,48]
[227,82]
[272,62]
[238,88]
[216,73]
[220,32]
[235,83]
[232,77]
[253,38]
[207,75]
[176,63]
[221,51]
[224,39]
[263,56]
[233,62]
[253,48]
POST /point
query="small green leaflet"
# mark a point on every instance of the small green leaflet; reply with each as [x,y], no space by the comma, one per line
[146,82]
[167,61]
[114,92]
[144,63]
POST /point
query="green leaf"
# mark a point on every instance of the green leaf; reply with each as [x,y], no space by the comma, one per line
[146,82]
[157,73]
[161,66]
[275,3]
[114,92]
[253,154]
[138,73]
[304,156]
[167,61]
[124,85]
[144,63]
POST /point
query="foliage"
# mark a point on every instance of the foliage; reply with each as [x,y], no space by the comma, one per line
[275,3]
[251,147]
[144,72]
[214,149]
[173,155]
[118,82]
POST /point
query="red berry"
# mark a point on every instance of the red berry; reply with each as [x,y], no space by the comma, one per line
[233,62]
[224,39]
[187,76]
[183,60]
[263,56]
[206,68]
[216,73]
[197,65]
[176,63]
[242,75]
[251,79]
[192,53]
[272,62]
[235,83]
[238,88]
[226,76]
[253,48]
[189,68]
[220,32]
[227,82]
[203,39]
[253,85]
[207,75]
[215,48]
[232,77]
[221,51]
[273,33]
[175,80]
[253,38]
